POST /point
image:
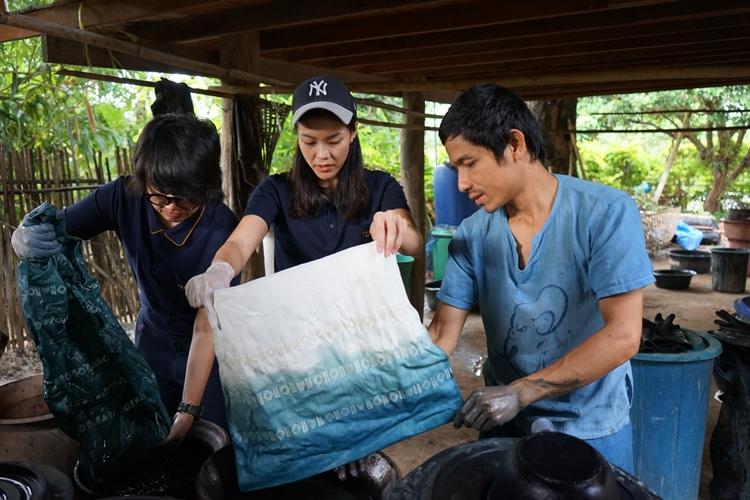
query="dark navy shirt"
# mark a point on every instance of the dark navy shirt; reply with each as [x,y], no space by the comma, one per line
[300,240]
[162,259]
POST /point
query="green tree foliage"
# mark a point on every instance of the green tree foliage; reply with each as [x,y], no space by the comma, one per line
[43,110]
[723,154]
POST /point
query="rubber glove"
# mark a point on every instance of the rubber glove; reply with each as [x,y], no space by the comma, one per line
[200,288]
[489,407]
[35,242]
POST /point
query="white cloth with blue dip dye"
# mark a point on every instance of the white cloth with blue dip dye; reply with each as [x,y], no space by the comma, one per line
[590,247]
[324,363]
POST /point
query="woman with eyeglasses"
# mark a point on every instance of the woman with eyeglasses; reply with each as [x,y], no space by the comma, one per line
[170,219]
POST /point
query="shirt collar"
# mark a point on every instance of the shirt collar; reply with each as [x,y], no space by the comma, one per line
[179,234]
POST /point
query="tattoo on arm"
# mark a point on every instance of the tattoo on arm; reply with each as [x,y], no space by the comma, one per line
[548,388]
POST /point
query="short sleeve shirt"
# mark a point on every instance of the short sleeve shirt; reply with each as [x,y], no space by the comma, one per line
[300,240]
[162,259]
[590,247]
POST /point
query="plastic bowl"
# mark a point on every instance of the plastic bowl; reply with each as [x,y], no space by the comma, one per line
[695,260]
[674,279]
[742,308]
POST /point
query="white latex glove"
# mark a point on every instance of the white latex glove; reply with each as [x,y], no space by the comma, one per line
[35,242]
[200,288]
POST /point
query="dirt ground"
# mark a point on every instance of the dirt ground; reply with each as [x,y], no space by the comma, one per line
[694,309]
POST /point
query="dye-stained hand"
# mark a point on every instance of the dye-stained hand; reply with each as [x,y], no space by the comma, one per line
[35,242]
[352,469]
[489,407]
[181,425]
[388,230]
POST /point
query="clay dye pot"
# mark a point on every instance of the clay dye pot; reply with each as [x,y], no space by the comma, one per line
[217,480]
[29,432]
[27,481]
[695,260]
[674,279]
[169,471]
[504,468]
[555,466]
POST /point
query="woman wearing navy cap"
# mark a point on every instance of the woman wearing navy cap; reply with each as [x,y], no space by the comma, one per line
[170,221]
[326,203]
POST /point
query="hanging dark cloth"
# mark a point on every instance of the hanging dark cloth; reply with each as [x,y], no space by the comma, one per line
[172,97]
[97,385]
[246,165]
[730,440]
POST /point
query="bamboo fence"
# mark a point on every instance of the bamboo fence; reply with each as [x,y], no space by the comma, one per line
[31,177]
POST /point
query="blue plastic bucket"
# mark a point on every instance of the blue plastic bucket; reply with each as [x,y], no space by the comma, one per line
[670,406]
[451,205]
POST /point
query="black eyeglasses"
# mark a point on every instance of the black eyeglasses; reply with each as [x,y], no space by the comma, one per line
[162,200]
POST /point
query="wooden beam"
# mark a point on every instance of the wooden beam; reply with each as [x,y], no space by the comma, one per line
[412,174]
[534,67]
[437,20]
[708,73]
[61,51]
[132,81]
[585,54]
[58,51]
[646,20]
[98,13]
[277,14]
[86,37]
[580,42]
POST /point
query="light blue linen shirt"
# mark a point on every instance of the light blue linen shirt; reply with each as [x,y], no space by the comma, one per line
[590,247]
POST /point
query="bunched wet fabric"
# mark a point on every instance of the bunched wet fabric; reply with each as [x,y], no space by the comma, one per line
[97,385]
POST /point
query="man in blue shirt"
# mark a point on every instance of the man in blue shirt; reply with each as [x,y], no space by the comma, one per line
[556,265]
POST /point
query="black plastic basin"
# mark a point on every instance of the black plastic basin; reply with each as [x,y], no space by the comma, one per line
[674,279]
[695,260]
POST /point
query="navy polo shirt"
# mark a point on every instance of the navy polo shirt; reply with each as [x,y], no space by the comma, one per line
[300,240]
[162,259]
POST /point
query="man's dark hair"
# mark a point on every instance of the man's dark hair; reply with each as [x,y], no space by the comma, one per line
[350,196]
[178,154]
[484,116]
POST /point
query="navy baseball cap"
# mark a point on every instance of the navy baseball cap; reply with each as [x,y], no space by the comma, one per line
[323,92]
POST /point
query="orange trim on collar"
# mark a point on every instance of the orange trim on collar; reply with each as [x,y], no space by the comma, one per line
[184,240]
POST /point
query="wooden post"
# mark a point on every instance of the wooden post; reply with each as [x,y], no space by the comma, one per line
[237,51]
[412,173]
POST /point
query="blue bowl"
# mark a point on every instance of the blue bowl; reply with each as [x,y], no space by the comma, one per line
[742,309]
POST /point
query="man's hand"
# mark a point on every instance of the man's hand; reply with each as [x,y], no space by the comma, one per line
[388,230]
[181,425]
[489,407]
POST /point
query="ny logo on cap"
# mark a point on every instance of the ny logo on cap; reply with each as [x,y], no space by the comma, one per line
[318,87]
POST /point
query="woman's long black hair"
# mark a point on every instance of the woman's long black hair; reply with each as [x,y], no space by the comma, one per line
[350,196]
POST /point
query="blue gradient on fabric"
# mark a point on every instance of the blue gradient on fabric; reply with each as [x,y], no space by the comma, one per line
[294,425]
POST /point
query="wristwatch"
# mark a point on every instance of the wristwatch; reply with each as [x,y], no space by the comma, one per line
[194,410]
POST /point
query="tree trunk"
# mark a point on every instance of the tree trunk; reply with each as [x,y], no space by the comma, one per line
[717,191]
[553,117]
[670,161]
[412,173]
